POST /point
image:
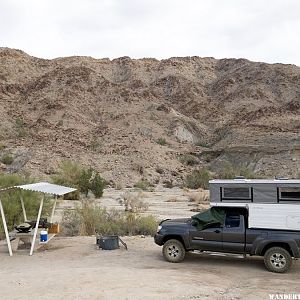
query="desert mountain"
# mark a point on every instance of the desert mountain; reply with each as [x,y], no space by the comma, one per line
[139,118]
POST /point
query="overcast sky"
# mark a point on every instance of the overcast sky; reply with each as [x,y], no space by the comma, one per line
[260,30]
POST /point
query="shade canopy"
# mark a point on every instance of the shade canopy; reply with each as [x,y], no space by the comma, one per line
[41,187]
[46,188]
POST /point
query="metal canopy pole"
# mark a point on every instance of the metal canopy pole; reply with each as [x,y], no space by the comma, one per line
[5,229]
[23,207]
[37,225]
[53,209]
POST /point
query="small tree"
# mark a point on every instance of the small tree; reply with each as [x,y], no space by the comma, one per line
[85,181]
[97,185]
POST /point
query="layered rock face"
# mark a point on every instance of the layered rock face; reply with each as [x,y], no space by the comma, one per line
[137,118]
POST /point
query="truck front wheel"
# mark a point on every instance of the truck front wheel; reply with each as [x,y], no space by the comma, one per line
[277,260]
[173,251]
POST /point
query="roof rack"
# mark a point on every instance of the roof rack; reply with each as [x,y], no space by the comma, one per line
[239,178]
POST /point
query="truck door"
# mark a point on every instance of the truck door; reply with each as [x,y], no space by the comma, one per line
[234,233]
[209,239]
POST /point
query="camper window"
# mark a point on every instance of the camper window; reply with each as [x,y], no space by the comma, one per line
[236,193]
[289,193]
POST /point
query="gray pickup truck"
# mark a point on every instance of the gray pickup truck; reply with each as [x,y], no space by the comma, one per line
[278,247]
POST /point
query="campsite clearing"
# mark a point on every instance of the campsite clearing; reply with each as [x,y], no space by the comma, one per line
[73,268]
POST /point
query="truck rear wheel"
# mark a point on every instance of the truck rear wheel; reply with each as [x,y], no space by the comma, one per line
[173,251]
[277,260]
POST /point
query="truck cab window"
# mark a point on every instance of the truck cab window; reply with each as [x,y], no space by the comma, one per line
[232,220]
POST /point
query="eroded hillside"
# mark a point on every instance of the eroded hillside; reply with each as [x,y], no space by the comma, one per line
[135,118]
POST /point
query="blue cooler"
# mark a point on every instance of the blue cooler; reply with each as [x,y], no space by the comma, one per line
[43,236]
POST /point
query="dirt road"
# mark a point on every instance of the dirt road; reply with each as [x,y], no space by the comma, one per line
[72,268]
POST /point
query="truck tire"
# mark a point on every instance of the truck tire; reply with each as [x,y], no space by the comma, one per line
[173,251]
[277,260]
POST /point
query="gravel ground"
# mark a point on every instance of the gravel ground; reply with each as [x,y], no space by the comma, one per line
[72,268]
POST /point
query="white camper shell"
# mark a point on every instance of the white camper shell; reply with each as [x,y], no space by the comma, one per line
[271,204]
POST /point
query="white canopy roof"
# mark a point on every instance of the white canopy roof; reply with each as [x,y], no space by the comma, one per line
[47,188]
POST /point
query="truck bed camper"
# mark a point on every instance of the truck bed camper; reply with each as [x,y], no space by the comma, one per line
[271,204]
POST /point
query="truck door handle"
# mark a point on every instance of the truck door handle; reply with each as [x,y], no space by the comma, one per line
[217,231]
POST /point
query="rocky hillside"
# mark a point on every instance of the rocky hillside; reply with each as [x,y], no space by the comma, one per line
[134,119]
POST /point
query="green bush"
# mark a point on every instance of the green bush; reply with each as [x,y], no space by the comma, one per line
[68,174]
[90,219]
[97,185]
[11,201]
[84,179]
[198,179]
[161,141]
[7,159]
[188,159]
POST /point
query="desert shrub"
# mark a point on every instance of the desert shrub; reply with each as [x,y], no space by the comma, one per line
[68,173]
[173,199]
[143,184]
[11,201]
[7,159]
[90,219]
[199,197]
[221,133]
[71,222]
[20,127]
[119,186]
[198,179]
[95,145]
[73,174]
[97,184]
[188,159]
[60,123]
[168,184]
[161,141]
[159,170]
[2,147]
[230,171]
[133,202]
[202,144]
[83,179]
[146,225]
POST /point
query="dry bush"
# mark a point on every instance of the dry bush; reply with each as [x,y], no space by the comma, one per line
[89,219]
[200,197]
[133,202]
[188,159]
[172,199]
[230,171]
